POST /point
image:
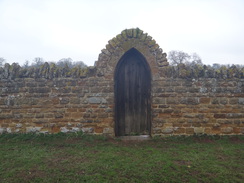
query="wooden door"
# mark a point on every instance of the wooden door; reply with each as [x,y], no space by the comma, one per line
[132,95]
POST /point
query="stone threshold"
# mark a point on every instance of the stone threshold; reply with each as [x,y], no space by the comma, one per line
[137,138]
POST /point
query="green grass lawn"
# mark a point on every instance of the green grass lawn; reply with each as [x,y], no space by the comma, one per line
[86,158]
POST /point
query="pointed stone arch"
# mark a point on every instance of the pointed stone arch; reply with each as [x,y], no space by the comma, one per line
[119,45]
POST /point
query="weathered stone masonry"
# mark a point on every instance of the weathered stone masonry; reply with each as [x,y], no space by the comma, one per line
[49,100]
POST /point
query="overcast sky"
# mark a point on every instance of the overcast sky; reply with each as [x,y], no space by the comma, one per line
[80,29]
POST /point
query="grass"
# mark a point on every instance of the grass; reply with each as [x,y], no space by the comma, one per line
[87,158]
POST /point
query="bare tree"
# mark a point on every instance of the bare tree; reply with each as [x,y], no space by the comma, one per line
[38,61]
[65,62]
[80,64]
[70,63]
[196,59]
[26,64]
[2,60]
[178,57]
[216,66]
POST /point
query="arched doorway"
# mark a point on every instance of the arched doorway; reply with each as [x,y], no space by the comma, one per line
[132,95]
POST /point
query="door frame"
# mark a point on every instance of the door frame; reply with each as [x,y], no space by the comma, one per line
[147,67]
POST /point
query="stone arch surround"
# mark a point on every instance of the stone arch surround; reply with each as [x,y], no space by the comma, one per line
[128,39]
[118,46]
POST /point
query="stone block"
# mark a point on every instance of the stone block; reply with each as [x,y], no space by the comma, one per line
[106,51]
[180,89]
[33,129]
[199,130]
[113,43]
[216,130]
[32,84]
[187,83]
[108,130]
[241,101]
[203,90]
[237,130]
[193,90]
[96,100]
[71,110]
[143,37]
[86,121]
[129,33]
[223,101]
[238,121]
[163,106]
[88,130]
[234,115]
[189,131]
[2,130]
[220,115]
[167,111]
[75,100]
[227,130]
[215,101]
[64,100]
[49,115]
[39,115]
[190,101]
[157,130]
[224,121]
[6,116]
[58,115]
[77,89]
[44,132]
[156,110]
[189,115]
[40,121]
[233,101]
[241,130]
[64,130]
[172,100]
[205,100]
[75,129]
[167,130]
[169,89]
[77,115]
[109,110]
[179,130]
[102,115]
[39,90]
[19,125]
[158,100]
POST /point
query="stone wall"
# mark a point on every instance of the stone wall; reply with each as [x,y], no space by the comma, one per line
[50,99]
[60,104]
[198,106]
